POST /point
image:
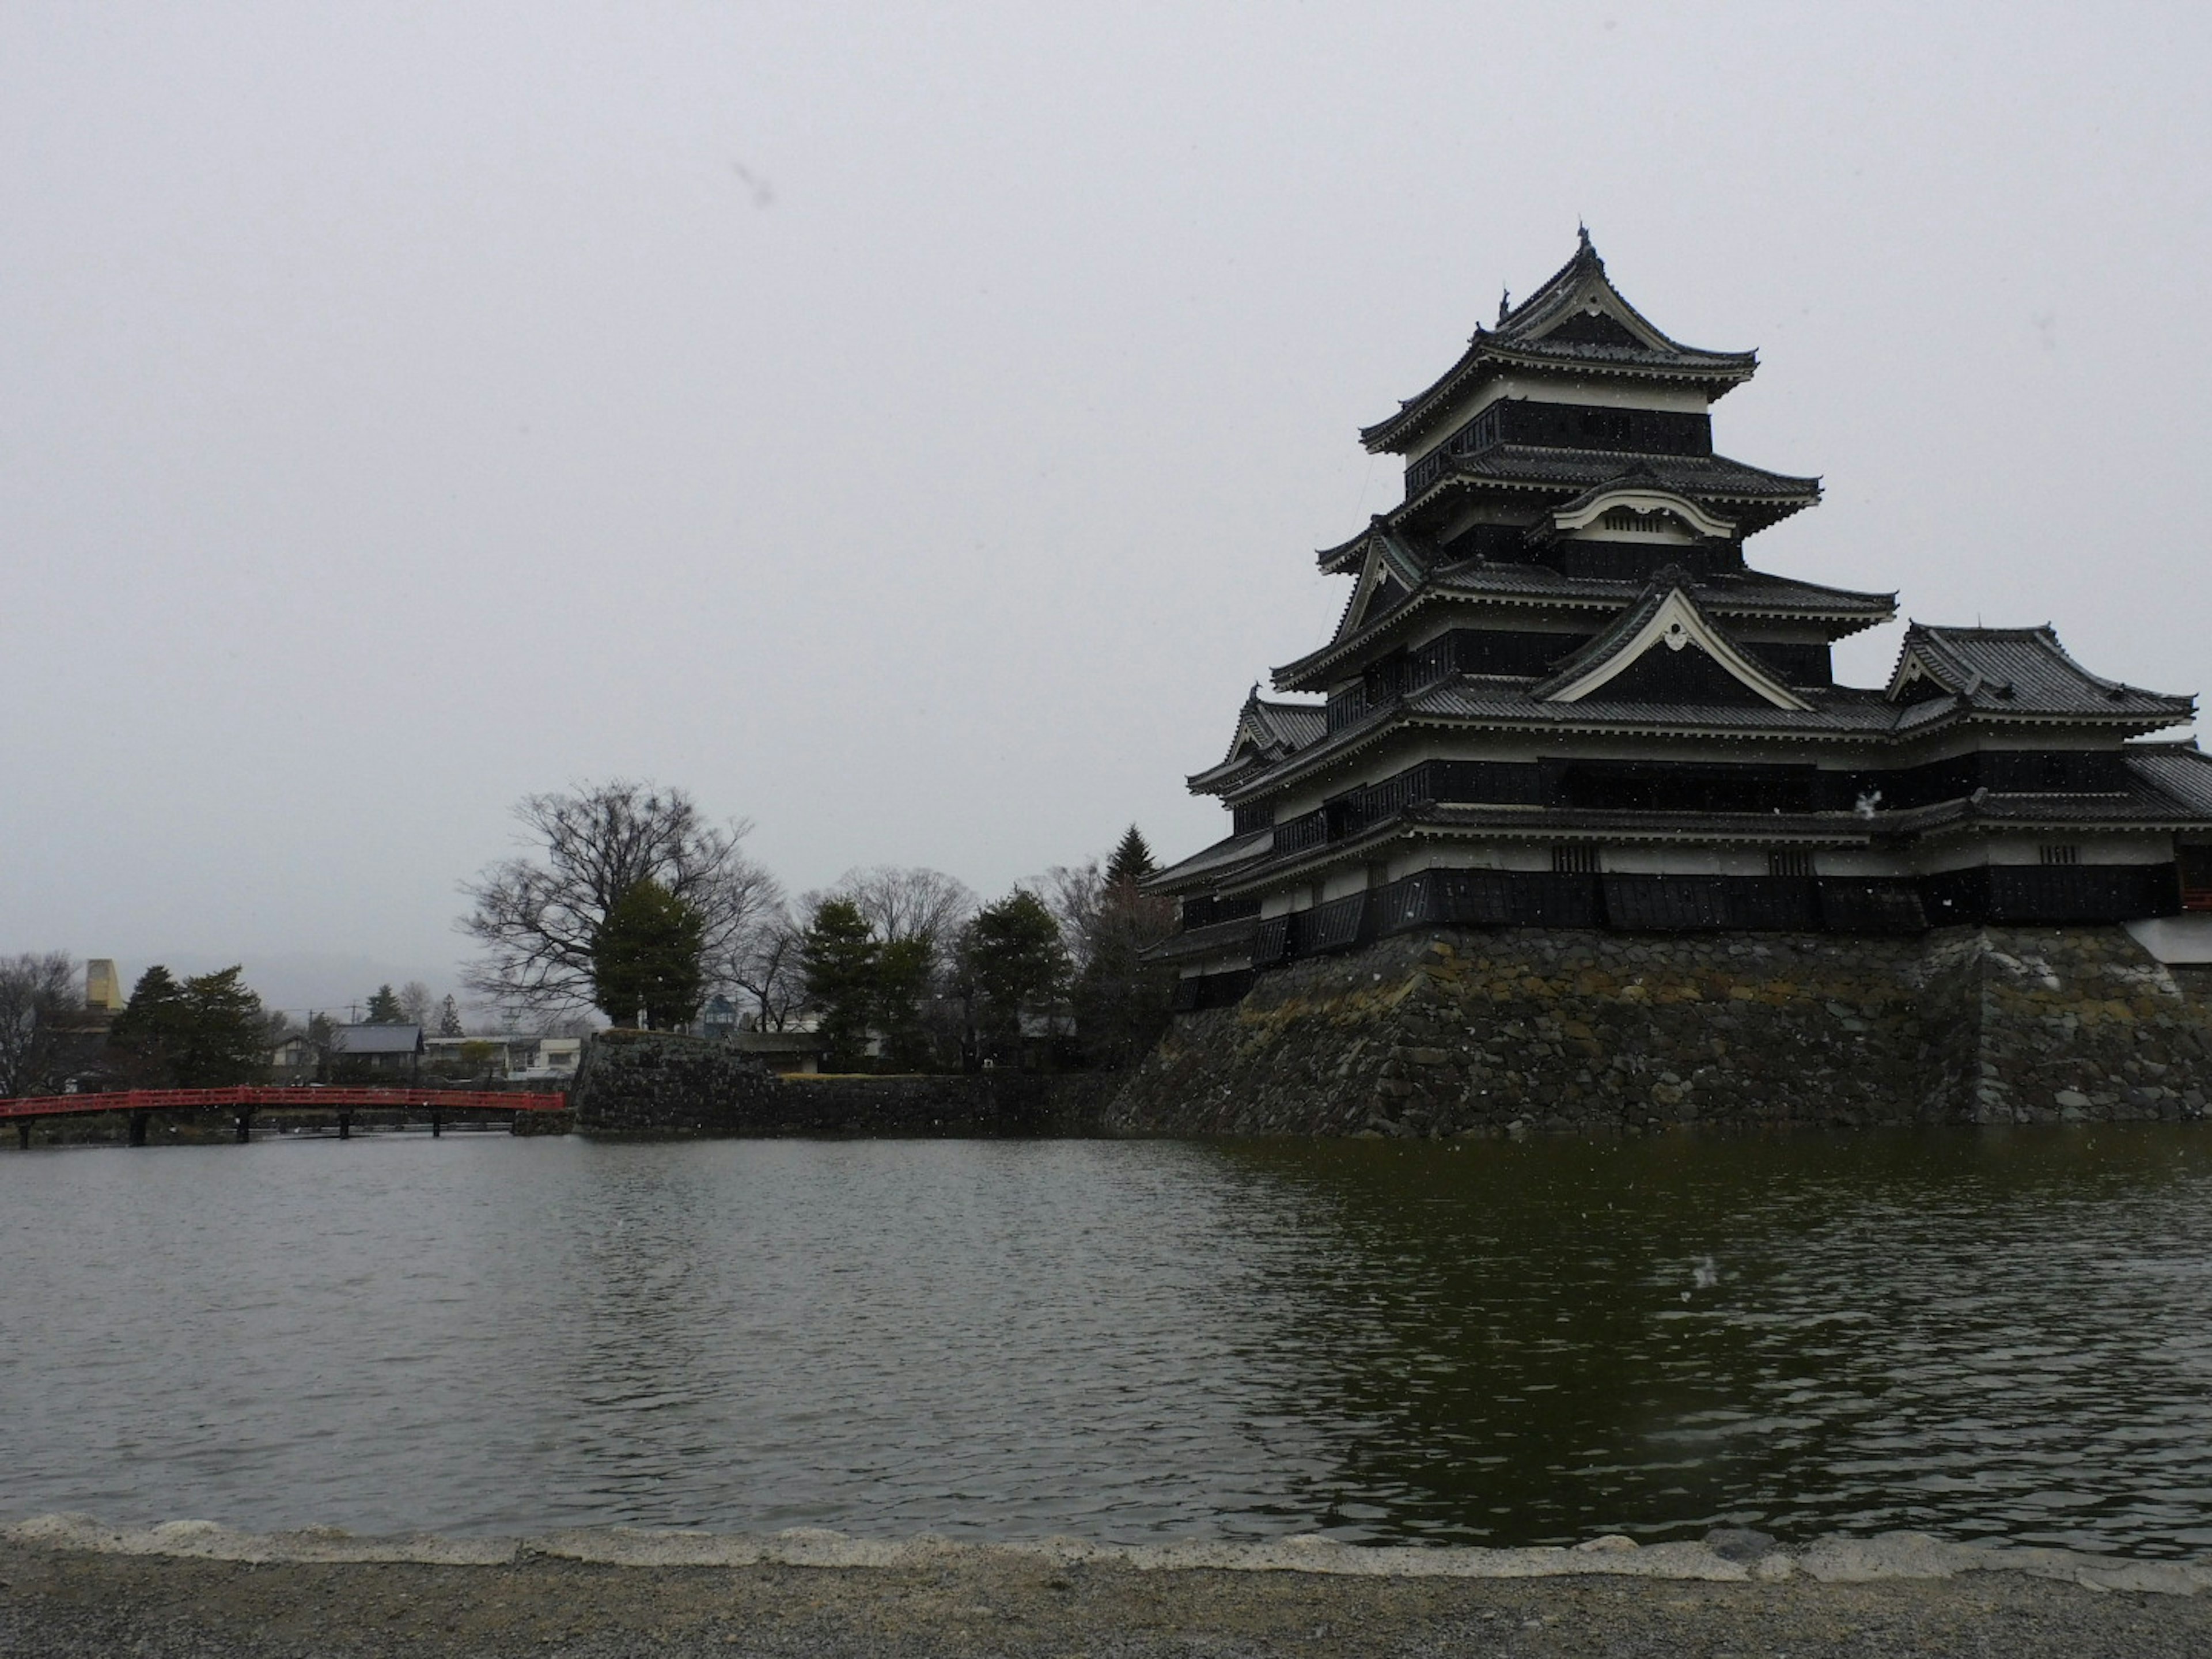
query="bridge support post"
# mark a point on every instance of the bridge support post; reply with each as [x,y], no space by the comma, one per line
[345,1126]
[138,1127]
[437,1123]
[245,1125]
[23,1135]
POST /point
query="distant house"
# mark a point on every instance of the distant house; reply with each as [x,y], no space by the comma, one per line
[555,1061]
[782,1051]
[520,1055]
[378,1050]
[293,1060]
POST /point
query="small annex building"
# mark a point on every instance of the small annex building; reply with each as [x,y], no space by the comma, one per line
[1562,694]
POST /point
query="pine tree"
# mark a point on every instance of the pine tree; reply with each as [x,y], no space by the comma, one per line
[449,1018]
[146,1034]
[384,1008]
[1132,861]
[646,958]
[902,976]
[223,1033]
[1122,997]
[1013,957]
[842,984]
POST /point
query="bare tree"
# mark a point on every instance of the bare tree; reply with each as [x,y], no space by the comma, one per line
[418,1004]
[901,903]
[1075,894]
[766,963]
[536,917]
[1118,993]
[36,994]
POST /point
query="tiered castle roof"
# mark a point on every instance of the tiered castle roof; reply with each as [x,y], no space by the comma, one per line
[1555,637]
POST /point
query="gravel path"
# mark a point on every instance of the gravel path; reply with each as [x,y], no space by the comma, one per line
[59,1602]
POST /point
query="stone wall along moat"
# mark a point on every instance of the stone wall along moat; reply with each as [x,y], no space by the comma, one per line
[1453,1032]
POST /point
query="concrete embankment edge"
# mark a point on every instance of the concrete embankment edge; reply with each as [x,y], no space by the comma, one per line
[1897,1555]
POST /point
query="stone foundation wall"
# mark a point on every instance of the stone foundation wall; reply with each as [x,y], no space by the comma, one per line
[1450,1032]
[985,1103]
[633,1084]
[650,1083]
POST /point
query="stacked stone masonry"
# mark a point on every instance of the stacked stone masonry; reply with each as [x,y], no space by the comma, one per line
[636,1085]
[1450,1032]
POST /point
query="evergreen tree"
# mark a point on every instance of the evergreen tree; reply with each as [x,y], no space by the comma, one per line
[449,1018]
[842,984]
[1014,960]
[1121,999]
[1132,861]
[222,1034]
[145,1036]
[646,958]
[902,976]
[323,1038]
[384,1008]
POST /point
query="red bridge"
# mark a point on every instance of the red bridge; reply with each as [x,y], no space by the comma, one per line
[245,1101]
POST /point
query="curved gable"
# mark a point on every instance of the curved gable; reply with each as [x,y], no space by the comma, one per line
[1621,661]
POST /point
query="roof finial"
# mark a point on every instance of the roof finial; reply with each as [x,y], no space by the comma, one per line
[1505,302]
[1582,230]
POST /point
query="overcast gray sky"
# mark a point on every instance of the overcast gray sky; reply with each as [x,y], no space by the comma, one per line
[908,426]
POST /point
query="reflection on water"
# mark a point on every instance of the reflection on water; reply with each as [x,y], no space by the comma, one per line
[1974,1335]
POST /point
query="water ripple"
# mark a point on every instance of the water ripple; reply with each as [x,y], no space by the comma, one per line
[1991,1335]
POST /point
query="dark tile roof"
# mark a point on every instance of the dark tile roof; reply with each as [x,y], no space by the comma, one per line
[1524,336]
[1225,855]
[2140,808]
[1540,467]
[2023,671]
[2179,772]
[1839,712]
[2143,806]
[1295,724]
[1205,941]
[1736,594]
[1267,734]
[1832,827]
[1839,709]
[1608,642]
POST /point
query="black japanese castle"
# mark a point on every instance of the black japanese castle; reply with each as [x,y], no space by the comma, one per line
[1561,697]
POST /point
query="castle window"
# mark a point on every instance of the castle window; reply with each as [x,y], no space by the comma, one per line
[1789,863]
[2061,853]
[1574,860]
[1629,521]
[2196,869]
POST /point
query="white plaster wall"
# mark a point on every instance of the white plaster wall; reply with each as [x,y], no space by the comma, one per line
[2179,939]
[1684,862]
[2028,849]
[1427,854]
[1860,861]
[1342,884]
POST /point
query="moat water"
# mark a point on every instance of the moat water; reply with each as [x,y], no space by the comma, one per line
[1981,1335]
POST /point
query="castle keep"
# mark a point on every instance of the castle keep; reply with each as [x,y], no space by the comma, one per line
[1562,704]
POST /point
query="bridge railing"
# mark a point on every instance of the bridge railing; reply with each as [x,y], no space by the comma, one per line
[323,1096]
